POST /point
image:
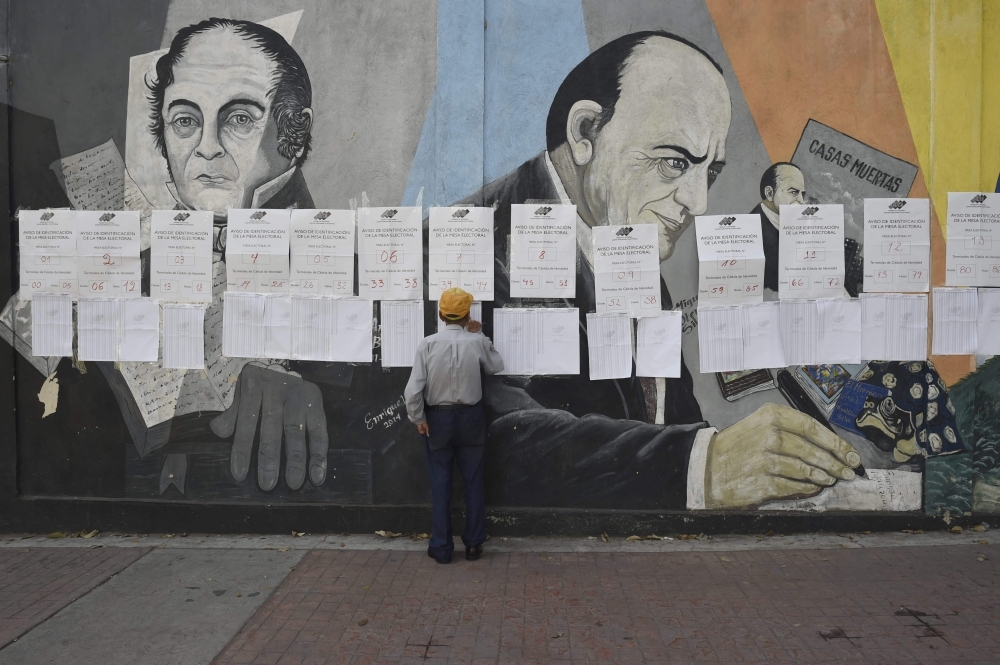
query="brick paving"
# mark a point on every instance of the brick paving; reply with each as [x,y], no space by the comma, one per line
[909,605]
[35,583]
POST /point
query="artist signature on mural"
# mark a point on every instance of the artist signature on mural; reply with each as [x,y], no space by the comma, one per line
[388,416]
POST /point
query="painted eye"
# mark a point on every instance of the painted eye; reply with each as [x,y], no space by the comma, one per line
[241,119]
[184,125]
[713,173]
[672,167]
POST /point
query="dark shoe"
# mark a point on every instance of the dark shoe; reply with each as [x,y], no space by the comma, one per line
[473,553]
[446,559]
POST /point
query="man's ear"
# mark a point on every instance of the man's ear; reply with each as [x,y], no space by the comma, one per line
[769,193]
[581,130]
[307,121]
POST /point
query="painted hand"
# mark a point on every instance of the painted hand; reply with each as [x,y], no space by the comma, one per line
[283,402]
[473,326]
[424,429]
[774,453]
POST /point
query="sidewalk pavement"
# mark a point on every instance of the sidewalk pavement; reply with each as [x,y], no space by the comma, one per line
[906,598]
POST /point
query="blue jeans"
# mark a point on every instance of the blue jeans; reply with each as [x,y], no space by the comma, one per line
[457,436]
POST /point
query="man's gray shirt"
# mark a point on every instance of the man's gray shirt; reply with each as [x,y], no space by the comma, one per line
[446,370]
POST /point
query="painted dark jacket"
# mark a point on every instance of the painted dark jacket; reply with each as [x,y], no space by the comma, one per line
[570,441]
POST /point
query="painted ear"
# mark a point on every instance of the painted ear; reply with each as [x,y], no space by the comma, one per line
[581,130]
[305,121]
[769,193]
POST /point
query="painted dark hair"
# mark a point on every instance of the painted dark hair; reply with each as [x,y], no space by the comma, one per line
[598,78]
[290,93]
[770,177]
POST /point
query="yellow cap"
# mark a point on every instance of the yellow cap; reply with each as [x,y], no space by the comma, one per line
[455,304]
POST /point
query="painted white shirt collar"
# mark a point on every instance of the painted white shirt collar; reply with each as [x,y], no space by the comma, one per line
[772,216]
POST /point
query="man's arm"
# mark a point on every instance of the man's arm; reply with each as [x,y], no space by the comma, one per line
[414,392]
[491,360]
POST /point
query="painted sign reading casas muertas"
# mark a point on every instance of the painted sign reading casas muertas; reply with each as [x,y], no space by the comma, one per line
[840,169]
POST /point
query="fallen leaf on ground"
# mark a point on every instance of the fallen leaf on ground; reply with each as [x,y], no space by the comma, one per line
[634,538]
[981,558]
[239,594]
[342,544]
[168,535]
[367,586]
[89,534]
[363,622]
[983,542]
[605,538]
[56,534]
[298,533]
[388,534]
[864,533]
[558,635]
[725,559]
[421,536]
[283,549]
[979,528]
[955,529]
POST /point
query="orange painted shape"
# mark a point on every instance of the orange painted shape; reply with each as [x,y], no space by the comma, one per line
[824,60]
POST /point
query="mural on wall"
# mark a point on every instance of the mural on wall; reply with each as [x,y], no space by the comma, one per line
[651,127]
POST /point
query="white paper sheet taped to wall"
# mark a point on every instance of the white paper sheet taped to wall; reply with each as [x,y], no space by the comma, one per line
[48,260]
[180,267]
[243,325]
[257,250]
[538,341]
[97,323]
[460,251]
[321,244]
[897,250]
[811,251]
[762,348]
[278,327]
[331,329]
[390,253]
[955,312]
[93,179]
[543,251]
[609,345]
[184,338]
[626,269]
[402,326]
[140,331]
[52,325]
[800,331]
[658,345]
[906,327]
[988,323]
[107,247]
[839,331]
[720,338]
[730,259]
[973,239]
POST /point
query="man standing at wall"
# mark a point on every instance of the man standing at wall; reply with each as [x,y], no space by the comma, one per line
[444,400]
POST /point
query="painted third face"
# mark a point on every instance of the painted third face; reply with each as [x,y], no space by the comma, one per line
[221,140]
[665,144]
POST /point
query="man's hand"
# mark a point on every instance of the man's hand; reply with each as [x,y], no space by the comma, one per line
[424,428]
[774,453]
[283,402]
[473,326]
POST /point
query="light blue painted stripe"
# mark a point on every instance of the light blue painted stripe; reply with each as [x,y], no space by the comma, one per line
[449,158]
[531,46]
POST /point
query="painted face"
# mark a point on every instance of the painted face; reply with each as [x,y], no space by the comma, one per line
[789,187]
[221,140]
[665,144]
